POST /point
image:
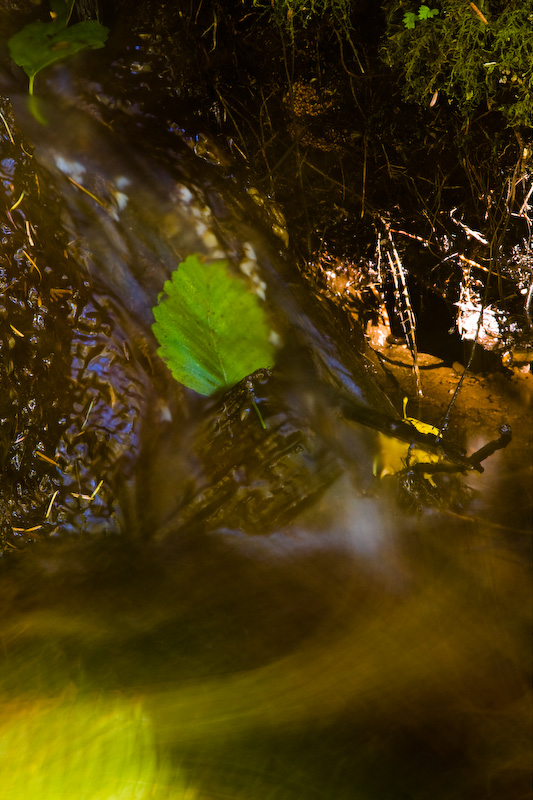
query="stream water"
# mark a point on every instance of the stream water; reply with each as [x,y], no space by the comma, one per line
[287,626]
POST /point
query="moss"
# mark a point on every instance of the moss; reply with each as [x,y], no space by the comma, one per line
[478,58]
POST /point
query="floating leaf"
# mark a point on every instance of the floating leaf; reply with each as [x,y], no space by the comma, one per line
[394,454]
[40,44]
[212,330]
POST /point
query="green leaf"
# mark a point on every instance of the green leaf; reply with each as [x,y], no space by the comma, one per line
[425,12]
[212,330]
[40,44]
[409,19]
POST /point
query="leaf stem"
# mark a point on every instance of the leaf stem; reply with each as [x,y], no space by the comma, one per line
[69,12]
[261,420]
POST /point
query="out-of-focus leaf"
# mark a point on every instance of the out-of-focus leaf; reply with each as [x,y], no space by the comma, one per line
[40,44]
[61,11]
[97,749]
[211,329]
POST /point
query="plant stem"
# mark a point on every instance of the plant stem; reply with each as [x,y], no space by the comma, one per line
[261,420]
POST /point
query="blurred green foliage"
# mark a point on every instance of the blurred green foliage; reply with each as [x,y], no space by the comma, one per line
[40,44]
[96,748]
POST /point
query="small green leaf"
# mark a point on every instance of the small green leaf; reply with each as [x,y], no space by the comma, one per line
[425,12]
[40,44]
[211,329]
[409,19]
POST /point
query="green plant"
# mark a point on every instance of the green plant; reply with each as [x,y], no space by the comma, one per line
[475,56]
[211,329]
[424,12]
[40,44]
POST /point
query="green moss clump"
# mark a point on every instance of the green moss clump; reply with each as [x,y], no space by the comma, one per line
[478,58]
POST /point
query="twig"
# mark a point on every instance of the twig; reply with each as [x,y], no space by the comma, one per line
[403,299]
[7,128]
[488,449]
[51,503]
[363,191]
[482,17]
